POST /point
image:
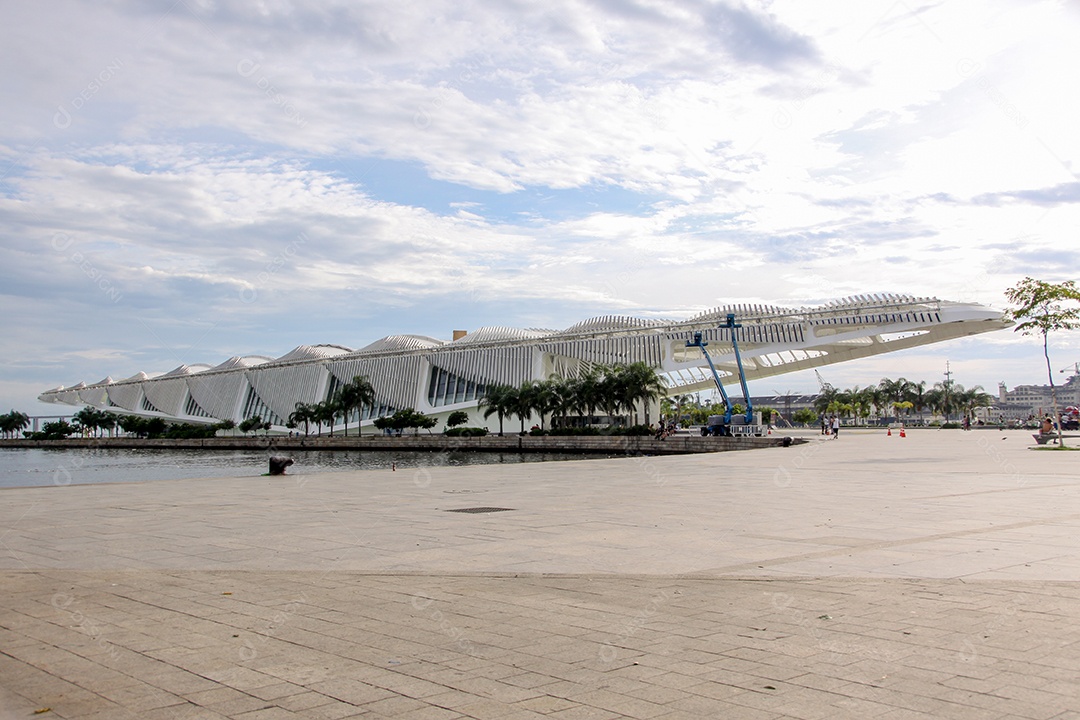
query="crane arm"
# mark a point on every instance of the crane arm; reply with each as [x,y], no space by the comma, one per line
[698,343]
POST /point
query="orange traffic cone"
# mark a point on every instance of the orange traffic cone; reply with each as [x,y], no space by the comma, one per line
[889,434]
[902,433]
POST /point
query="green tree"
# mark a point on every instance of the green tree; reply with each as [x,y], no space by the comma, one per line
[93,420]
[902,406]
[608,391]
[57,430]
[916,395]
[894,391]
[969,399]
[252,423]
[805,416]
[825,398]
[681,401]
[458,417]
[564,398]
[407,418]
[525,400]
[87,420]
[326,413]
[303,413]
[498,400]
[590,391]
[941,399]
[142,426]
[107,421]
[13,422]
[129,423]
[530,398]
[639,382]
[355,395]
[1043,308]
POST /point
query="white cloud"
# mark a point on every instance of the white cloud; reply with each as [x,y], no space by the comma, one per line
[217,177]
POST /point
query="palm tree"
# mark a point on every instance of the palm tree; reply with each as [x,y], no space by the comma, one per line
[303,413]
[848,398]
[826,397]
[525,400]
[916,395]
[498,400]
[529,400]
[681,401]
[547,396]
[12,422]
[590,391]
[85,418]
[894,392]
[838,407]
[326,413]
[934,400]
[971,398]
[904,405]
[862,400]
[563,398]
[608,390]
[355,395]
[950,390]
[942,398]
[639,382]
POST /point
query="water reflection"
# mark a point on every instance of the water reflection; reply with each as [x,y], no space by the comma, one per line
[35,467]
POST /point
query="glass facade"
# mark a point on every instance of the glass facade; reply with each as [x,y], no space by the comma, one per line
[446,388]
[254,405]
[192,408]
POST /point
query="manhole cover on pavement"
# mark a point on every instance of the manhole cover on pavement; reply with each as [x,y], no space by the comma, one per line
[480,510]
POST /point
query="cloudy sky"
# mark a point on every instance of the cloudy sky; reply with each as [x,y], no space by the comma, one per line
[187,180]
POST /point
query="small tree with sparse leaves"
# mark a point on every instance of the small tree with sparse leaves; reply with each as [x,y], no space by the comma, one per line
[1043,308]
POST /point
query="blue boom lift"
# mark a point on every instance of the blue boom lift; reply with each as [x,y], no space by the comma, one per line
[729,410]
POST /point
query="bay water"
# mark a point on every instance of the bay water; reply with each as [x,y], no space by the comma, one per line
[39,467]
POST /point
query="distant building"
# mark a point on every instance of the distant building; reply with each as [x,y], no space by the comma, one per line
[1025,401]
[786,404]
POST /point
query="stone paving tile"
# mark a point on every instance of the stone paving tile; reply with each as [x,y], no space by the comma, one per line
[668,593]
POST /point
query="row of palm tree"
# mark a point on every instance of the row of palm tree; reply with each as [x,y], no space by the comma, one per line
[611,388]
[901,396]
[93,421]
[351,397]
[12,423]
[687,408]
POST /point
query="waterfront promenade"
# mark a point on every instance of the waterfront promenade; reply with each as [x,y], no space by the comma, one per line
[871,576]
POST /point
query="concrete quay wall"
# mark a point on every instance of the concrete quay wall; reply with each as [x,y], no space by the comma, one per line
[629,445]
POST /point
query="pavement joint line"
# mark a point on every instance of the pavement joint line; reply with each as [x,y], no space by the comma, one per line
[850,549]
[1024,488]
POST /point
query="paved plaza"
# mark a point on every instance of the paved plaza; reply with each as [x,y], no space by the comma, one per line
[932,576]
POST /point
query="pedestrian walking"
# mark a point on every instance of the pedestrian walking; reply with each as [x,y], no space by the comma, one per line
[835,426]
